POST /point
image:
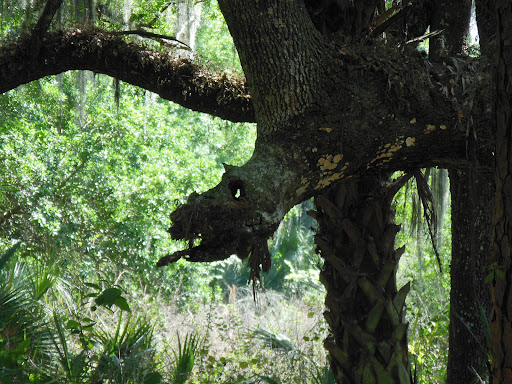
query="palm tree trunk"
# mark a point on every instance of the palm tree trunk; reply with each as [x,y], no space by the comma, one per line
[368,341]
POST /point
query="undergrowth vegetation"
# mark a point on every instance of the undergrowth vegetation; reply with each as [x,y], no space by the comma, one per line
[57,326]
[53,330]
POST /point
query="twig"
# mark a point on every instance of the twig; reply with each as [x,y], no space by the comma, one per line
[425,36]
[151,35]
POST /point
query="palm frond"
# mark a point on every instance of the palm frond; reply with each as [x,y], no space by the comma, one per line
[185,358]
[273,340]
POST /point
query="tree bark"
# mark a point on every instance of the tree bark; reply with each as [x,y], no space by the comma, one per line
[501,287]
[295,52]
[451,16]
[471,194]
[486,21]
[368,341]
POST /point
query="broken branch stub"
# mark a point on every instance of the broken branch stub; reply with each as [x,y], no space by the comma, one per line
[237,216]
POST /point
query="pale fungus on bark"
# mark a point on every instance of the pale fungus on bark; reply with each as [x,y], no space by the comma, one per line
[328,180]
[329,162]
[410,141]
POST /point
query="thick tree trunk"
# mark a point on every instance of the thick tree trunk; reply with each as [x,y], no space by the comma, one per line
[501,288]
[368,341]
[471,194]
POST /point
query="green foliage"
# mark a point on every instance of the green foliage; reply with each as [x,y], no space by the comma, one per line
[276,342]
[74,366]
[112,296]
[258,354]
[42,348]
[90,339]
[100,190]
[214,41]
[24,338]
[295,264]
[184,358]
[128,354]
[427,304]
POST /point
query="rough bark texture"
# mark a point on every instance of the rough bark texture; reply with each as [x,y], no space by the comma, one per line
[296,55]
[471,193]
[501,289]
[368,342]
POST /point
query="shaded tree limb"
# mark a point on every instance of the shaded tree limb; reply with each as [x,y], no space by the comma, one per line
[172,77]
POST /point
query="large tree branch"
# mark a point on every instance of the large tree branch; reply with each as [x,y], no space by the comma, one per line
[314,152]
[327,112]
[166,73]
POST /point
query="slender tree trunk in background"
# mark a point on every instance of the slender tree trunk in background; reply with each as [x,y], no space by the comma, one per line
[486,21]
[189,18]
[471,195]
[452,16]
[418,284]
[368,341]
[501,288]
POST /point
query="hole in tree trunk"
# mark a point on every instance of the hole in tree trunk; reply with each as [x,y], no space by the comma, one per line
[237,188]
